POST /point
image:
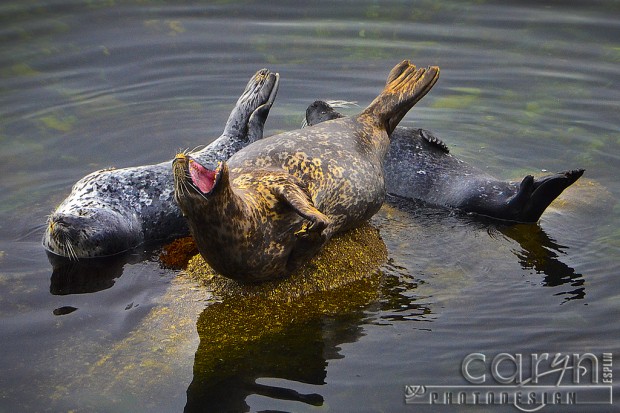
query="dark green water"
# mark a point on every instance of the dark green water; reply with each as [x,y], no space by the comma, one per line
[525,87]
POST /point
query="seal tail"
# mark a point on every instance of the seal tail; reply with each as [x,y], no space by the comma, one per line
[535,195]
[405,86]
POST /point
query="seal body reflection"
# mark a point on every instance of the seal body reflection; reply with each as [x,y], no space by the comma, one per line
[419,165]
[274,204]
[113,210]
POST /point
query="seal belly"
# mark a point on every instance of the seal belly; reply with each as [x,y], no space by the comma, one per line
[341,173]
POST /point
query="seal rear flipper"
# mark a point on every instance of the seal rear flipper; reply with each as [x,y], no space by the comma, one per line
[256,124]
[545,190]
[256,93]
[405,86]
[518,203]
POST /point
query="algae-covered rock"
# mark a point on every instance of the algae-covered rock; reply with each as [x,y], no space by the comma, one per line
[347,257]
[177,254]
[343,277]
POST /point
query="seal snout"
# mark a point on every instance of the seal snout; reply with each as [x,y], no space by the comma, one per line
[61,236]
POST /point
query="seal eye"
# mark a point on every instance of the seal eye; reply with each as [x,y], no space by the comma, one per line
[203,178]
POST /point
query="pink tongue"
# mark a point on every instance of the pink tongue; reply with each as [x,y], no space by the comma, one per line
[202,177]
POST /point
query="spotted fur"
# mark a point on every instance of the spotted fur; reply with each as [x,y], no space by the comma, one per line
[113,210]
[276,202]
[418,165]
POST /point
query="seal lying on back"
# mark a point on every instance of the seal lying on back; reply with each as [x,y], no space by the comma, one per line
[113,210]
[275,203]
[418,165]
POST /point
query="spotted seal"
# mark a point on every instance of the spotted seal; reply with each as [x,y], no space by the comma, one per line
[419,165]
[275,203]
[113,210]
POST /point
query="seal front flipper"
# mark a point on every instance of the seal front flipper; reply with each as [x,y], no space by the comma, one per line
[312,234]
[430,137]
[299,200]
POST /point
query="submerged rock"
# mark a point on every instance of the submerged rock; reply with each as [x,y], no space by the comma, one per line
[343,277]
[254,324]
[347,257]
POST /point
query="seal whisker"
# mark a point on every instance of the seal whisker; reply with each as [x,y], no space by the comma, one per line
[69,249]
[195,149]
[71,252]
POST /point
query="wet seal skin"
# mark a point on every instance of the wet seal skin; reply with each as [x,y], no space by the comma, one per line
[113,210]
[274,204]
[419,165]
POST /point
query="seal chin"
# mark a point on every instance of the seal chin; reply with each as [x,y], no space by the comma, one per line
[90,233]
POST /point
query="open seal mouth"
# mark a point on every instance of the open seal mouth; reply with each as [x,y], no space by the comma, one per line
[190,176]
[204,179]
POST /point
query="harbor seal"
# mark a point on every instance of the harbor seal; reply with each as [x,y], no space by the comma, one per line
[113,210]
[419,165]
[275,203]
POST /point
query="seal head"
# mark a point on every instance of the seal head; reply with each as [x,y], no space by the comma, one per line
[294,234]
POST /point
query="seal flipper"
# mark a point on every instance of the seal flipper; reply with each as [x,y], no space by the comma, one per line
[535,195]
[299,200]
[310,237]
[545,190]
[256,124]
[429,137]
[518,202]
[257,92]
[405,86]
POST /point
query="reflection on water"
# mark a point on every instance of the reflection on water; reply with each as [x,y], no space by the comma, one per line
[298,353]
[231,360]
[536,250]
[85,276]
[542,254]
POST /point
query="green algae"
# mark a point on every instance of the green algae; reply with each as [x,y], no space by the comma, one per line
[463,99]
[61,124]
[171,27]
[19,70]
